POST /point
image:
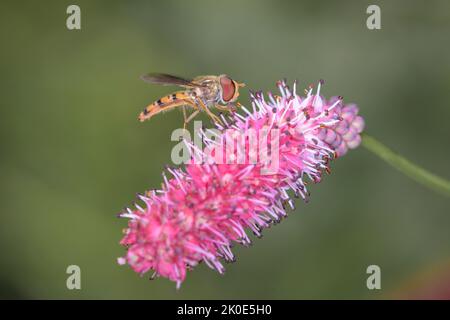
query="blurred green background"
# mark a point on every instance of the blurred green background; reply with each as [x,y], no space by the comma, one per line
[73,153]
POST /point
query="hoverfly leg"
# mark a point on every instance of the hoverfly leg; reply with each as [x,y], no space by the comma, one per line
[184,117]
[192,104]
[230,108]
[214,118]
[192,116]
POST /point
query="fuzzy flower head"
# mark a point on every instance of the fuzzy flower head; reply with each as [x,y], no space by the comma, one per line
[202,210]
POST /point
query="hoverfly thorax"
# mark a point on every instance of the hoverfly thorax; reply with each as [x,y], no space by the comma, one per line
[229,89]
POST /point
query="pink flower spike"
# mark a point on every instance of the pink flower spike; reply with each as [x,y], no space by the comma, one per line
[203,209]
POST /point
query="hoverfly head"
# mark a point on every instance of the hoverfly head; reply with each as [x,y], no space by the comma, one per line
[230,88]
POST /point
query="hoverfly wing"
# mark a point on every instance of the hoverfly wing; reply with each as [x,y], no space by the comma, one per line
[167,80]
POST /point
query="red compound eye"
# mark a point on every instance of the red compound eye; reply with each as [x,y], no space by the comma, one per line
[228,88]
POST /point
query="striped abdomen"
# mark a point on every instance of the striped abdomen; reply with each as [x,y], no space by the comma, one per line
[164,104]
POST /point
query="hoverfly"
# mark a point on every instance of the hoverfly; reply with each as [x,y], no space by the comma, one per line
[201,93]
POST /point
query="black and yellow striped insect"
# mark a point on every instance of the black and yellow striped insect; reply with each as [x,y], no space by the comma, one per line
[201,93]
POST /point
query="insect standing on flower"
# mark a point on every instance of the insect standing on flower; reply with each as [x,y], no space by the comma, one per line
[201,93]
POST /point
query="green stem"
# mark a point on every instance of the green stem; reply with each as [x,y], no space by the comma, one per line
[410,169]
